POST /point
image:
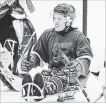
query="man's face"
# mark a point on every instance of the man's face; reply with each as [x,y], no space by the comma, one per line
[59,21]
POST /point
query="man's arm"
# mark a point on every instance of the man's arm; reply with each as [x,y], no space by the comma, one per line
[84,54]
[42,47]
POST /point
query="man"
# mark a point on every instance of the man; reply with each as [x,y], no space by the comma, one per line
[62,47]
[6,28]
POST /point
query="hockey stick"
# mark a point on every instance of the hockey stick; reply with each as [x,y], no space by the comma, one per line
[82,89]
[27,48]
[30,6]
[98,98]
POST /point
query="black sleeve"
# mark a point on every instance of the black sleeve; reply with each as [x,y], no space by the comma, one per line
[84,53]
[42,47]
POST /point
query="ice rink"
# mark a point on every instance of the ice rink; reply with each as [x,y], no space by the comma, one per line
[42,19]
[93,90]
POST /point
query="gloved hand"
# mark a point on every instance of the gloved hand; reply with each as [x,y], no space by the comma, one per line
[27,65]
[74,70]
[46,72]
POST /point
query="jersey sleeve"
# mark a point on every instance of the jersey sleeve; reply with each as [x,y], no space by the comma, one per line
[84,53]
[41,47]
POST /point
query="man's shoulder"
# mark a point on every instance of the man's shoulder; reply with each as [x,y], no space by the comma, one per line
[49,30]
[79,36]
[77,31]
[47,33]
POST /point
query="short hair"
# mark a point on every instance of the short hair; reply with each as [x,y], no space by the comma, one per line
[66,9]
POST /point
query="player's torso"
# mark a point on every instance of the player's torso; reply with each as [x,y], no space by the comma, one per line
[66,44]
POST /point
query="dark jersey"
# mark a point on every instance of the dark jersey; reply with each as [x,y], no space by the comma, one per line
[73,44]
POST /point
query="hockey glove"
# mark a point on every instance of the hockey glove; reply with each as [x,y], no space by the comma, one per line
[27,65]
[74,70]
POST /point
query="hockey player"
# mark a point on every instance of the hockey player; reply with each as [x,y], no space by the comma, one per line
[52,47]
[15,32]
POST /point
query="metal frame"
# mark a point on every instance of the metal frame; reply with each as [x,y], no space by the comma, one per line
[84,17]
